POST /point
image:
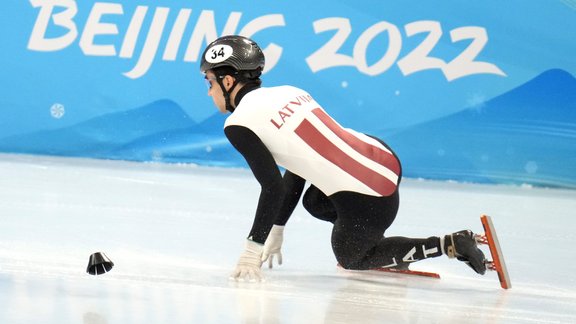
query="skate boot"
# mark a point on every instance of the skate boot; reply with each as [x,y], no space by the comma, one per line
[462,245]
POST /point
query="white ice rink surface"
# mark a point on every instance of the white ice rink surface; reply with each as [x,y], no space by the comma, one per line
[175,233]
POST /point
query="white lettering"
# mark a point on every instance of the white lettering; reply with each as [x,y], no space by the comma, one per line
[133,32]
[419,59]
[95,27]
[361,47]
[55,29]
[465,64]
[232,23]
[38,40]
[429,251]
[272,52]
[329,56]
[151,45]
[393,264]
[409,257]
[205,32]
[176,34]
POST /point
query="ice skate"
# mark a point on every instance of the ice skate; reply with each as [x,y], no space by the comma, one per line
[462,245]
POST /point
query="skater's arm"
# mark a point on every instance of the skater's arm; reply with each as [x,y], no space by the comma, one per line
[266,172]
[294,185]
[273,245]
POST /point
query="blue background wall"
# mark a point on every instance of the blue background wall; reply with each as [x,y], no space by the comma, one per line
[479,91]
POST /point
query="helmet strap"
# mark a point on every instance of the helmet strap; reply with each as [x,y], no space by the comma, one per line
[227,93]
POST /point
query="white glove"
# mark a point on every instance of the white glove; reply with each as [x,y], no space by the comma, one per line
[249,264]
[273,245]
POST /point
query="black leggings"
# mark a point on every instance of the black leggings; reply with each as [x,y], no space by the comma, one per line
[359,222]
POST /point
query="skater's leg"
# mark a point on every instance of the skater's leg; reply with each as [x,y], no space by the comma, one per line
[358,236]
[391,252]
[319,205]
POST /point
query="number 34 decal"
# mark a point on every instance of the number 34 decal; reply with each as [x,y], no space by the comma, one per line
[418,59]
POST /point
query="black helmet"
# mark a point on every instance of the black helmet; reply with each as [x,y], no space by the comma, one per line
[238,52]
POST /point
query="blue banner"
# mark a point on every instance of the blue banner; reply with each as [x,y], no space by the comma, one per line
[480,91]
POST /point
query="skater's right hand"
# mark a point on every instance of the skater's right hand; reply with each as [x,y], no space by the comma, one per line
[248,267]
[273,245]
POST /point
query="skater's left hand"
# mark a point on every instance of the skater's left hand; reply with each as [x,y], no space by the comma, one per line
[273,245]
[248,267]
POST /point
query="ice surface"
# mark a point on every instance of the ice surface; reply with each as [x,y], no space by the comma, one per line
[174,233]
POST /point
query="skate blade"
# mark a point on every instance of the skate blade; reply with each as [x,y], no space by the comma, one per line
[497,263]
